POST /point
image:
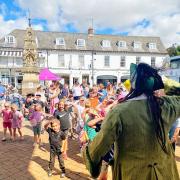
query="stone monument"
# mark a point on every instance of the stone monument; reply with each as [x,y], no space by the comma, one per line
[30,68]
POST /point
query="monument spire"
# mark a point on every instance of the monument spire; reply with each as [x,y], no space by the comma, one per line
[29,18]
[30,62]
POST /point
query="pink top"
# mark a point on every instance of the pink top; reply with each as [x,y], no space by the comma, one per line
[17,119]
[35,118]
[7,115]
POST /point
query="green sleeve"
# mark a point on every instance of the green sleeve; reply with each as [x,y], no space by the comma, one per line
[110,130]
[170,108]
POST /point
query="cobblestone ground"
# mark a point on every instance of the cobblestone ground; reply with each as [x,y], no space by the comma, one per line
[20,160]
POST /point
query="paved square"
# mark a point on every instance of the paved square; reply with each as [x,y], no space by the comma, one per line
[21,161]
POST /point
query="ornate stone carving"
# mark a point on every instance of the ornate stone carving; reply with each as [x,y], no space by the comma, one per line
[30,55]
[30,68]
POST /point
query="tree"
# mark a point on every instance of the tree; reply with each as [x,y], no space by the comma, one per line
[173,50]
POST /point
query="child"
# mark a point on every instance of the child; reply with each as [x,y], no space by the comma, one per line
[35,119]
[17,119]
[56,136]
[63,114]
[7,117]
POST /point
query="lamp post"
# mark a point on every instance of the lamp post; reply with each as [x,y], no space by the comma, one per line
[92,67]
[91,44]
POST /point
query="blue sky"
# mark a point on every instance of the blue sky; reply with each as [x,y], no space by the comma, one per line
[121,17]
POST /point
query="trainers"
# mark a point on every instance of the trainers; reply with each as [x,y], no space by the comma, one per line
[3,139]
[62,175]
[49,173]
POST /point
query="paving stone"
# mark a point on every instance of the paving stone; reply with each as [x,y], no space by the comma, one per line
[21,161]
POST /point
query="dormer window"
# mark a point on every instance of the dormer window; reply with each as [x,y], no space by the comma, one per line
[10,39]
[106,43]
[60,41]
[137,45]
[80,42]
[152,45]
[122,44]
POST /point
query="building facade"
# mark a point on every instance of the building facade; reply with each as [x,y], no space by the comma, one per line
[78,56]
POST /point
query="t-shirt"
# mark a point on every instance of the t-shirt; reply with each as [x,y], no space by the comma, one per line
[104,94]
[77,91]
[2,92]
[28,104]
[55,139]
[94,101]
[64,118]
[35,118]
[7,115]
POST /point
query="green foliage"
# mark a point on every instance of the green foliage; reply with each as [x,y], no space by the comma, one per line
[173,51]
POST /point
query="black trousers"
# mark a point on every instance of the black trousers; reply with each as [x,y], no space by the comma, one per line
[53,154]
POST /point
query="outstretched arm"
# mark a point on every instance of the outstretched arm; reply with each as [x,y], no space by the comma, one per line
[47,125]
[109,133]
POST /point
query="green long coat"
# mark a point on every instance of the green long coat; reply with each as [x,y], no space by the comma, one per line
[137,154]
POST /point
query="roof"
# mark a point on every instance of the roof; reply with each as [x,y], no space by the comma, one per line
[47,40]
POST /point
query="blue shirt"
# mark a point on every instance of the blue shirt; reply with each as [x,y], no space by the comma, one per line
[2,92]
[104,94]
[175,125]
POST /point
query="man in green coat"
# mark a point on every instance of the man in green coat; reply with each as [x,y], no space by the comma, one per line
[139,128]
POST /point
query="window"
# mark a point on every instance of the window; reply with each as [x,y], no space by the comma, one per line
[9,39]
[18,61]
[137,45]
[153,61]
[123,61]
[152,45]
[3,61]
[106,61]
[138,59]
[81,61]
[80,42]
[42,62]
[61,62]
[106,43]
[174,65]
[60,41]
[121,44]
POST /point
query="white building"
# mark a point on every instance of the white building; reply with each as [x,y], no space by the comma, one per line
[77,56]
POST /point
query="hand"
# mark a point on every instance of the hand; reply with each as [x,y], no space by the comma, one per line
[175,135]
[159,93]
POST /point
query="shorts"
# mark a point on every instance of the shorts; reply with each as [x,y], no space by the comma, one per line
[7,124]
[37,129]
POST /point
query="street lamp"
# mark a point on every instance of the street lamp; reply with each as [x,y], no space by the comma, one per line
[91,43]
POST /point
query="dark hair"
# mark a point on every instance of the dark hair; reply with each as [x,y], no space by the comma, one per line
[141,78]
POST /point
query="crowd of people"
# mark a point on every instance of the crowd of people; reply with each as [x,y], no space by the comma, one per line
[79,112]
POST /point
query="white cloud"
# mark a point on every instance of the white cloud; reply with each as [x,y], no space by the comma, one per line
[8,26]
[120,15]
[167,27]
